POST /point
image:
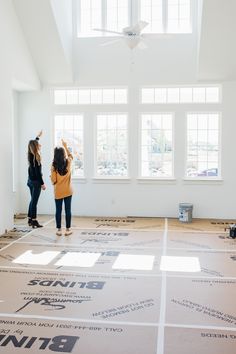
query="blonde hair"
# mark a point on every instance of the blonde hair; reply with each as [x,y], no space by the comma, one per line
[33,152]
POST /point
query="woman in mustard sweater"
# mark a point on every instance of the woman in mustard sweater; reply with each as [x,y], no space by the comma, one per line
[61,179]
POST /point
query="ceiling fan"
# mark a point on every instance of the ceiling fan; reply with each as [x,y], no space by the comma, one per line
[131,35]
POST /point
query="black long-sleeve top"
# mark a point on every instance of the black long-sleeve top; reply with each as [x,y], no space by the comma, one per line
[35,170]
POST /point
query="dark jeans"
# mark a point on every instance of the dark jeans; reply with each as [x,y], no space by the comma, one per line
[35,190]
[67,202]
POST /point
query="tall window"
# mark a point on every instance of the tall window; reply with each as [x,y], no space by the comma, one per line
[178,14]
[109,14]
[203,145]
[151,12]
[156,145]
[117,14]
[70,128]
[112,145]
[173,16]
[89,17]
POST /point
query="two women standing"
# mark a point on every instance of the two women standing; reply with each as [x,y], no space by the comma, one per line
[60,177]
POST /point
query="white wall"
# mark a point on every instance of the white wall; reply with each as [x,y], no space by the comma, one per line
[16,69]
[217,55]
[15,153]
[171,60]
[166,60]
[210,199]
[43,30]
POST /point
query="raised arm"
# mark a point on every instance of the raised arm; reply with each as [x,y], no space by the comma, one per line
[64,144]
[39,135]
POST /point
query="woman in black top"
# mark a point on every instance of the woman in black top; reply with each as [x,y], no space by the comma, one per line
[35,179]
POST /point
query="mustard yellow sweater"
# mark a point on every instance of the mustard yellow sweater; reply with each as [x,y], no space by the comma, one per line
[62,184]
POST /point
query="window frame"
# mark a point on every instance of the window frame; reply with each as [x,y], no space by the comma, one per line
[56,113]
[153,87]
[134,16]
[204,178]
[152,178]
[78,89]
[103,20]
[104,177]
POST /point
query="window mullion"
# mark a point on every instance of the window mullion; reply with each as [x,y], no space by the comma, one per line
[165,16]
[104,14]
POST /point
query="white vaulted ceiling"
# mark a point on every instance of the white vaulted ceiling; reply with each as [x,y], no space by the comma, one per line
[217,44]
[47,26]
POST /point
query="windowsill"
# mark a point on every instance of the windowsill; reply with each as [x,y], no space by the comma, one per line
[150,180]
[203,180]
[111,179]
[79,179]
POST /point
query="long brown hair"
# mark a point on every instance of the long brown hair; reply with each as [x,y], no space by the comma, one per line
[33,152]
[60,161]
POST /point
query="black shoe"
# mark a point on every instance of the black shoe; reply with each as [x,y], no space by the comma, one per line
[29,221]
[35,224]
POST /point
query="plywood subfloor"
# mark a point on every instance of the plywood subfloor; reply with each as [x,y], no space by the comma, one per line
[123,223]
[102,289]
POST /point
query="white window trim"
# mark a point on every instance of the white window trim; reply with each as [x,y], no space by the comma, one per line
[141,178]
[165,3]
[103,19]
[150,180]
[219,86]
[203,180]
[115,180]
[56,113]
[210,178]
[109,178]
[134,16]
[76,105]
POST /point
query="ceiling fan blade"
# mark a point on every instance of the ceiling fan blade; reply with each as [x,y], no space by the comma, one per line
[106,44]
[108,31]
[139,26]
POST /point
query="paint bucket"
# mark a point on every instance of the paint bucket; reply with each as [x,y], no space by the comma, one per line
[185,212]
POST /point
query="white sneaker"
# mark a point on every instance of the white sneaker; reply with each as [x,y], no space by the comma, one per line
[68,232]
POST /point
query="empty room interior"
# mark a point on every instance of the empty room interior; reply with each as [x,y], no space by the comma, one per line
[117,185]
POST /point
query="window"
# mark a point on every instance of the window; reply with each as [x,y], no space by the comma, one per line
[90,17]
[180,95]
[151,12]
[117,15]
[91,96]
[112,15]
[202,145]
[156,145]
[70,128]
[178,14]
[173,16]
[112,145]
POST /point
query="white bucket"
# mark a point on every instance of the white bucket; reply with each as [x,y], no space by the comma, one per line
[185,212]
